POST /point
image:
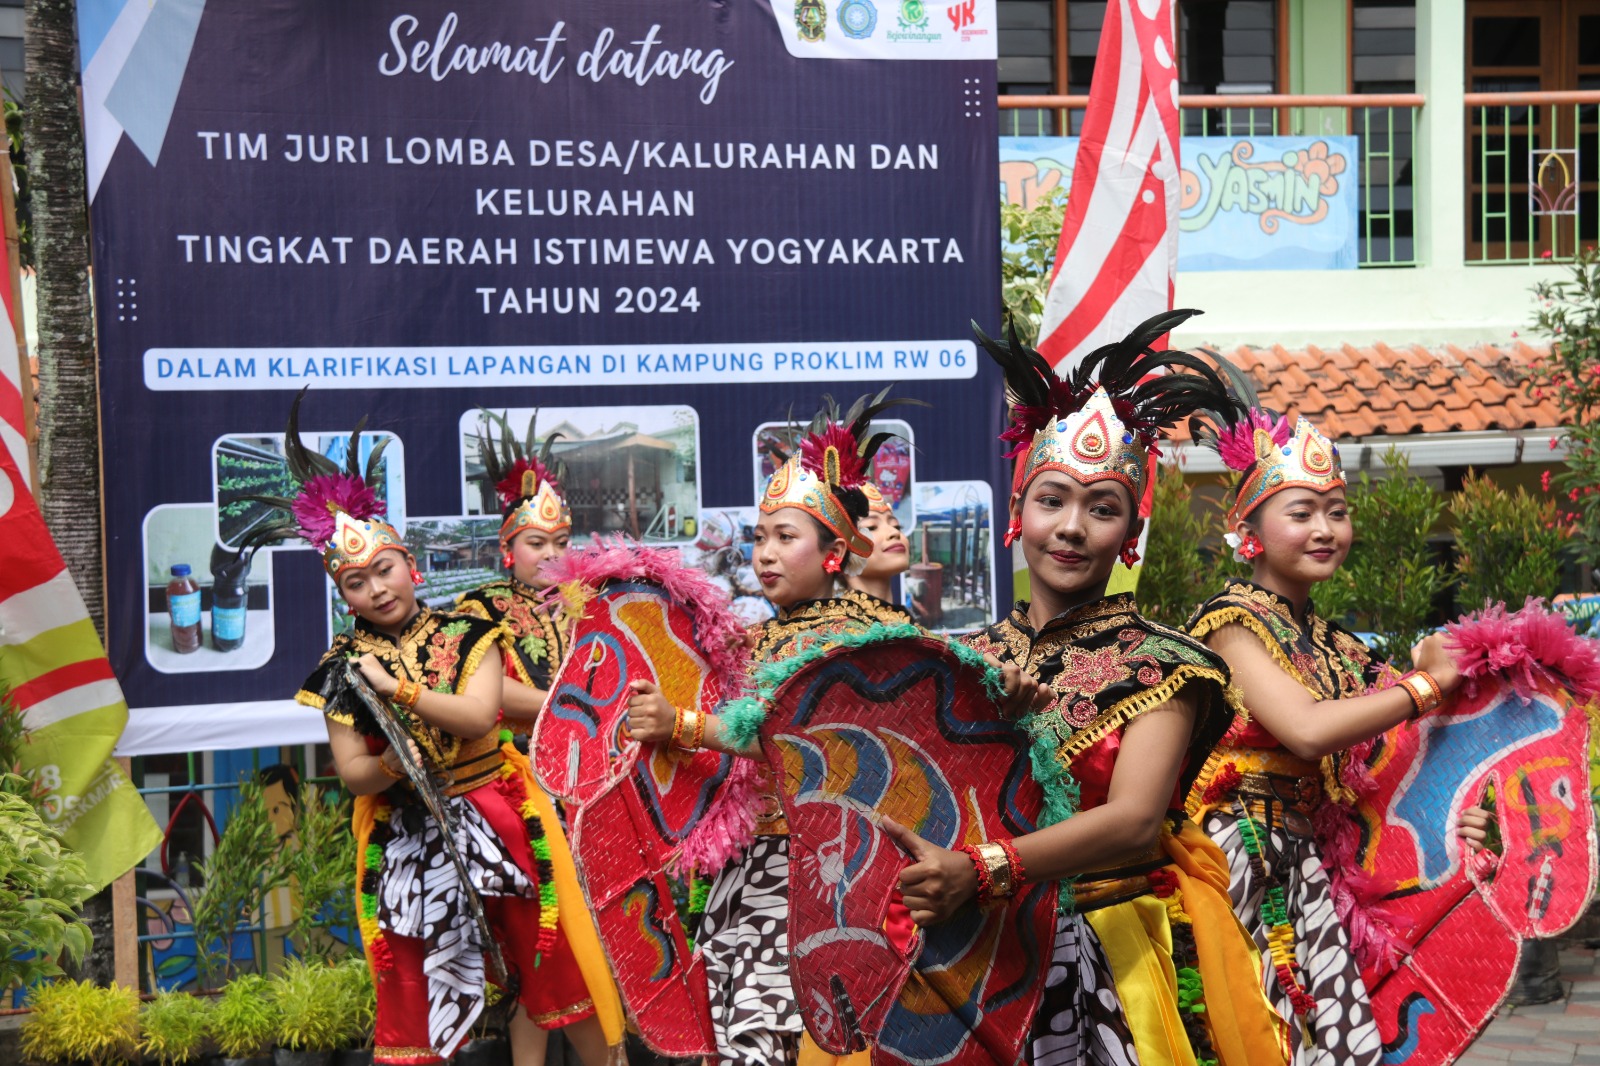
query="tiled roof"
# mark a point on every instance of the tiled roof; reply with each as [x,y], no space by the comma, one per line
[1362,392]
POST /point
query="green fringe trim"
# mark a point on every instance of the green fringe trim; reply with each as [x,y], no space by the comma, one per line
[742,718]
[1061,794]
[374,856]
[541,848]
[1191,991]
[505,737]
[699,895]
[369,905]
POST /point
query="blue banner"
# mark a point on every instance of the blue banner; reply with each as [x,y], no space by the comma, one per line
[1249,203]
[664,226]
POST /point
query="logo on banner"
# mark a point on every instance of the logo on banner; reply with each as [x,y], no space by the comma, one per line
[964,20]
[811,19]
[857,18]
[913,23]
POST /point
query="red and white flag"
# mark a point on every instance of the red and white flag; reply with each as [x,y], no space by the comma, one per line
[1119,241]
[14,385]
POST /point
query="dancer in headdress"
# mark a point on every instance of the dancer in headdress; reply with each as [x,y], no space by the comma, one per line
[807,535]
[1150,965]
[440,675]
[1271,796]
[535,631]
[891,553]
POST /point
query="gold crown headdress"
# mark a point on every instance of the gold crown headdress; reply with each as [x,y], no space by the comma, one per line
[876,504]
[833,459]
[529,485]
[336,511]
[1100,421]
[1262,448]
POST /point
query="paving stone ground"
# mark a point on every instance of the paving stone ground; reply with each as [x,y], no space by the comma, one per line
[1565,1031]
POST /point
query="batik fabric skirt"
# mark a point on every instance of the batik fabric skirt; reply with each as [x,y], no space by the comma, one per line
[1150,967]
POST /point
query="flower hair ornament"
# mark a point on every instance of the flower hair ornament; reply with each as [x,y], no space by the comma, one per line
[1269,456]
[826,476]
[528,483]
[1102,419]
[335,510]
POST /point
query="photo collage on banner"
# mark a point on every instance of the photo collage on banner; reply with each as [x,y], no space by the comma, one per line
[668,229]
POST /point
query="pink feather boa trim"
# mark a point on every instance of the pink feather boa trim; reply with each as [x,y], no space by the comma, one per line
[1524,648]
[729,823]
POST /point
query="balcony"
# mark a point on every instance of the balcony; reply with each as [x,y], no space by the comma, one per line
[1531,170]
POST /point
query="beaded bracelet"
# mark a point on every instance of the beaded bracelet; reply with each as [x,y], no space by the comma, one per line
[985,879]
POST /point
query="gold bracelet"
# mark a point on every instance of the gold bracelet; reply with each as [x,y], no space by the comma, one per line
[383,764]
[677,728]
[407,694]
[691,721]
[1425,693]
[699,730]
[998,863]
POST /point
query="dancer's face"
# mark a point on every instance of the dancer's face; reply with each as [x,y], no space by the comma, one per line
[789,552]
[1306,535]
[531,549]
[1072,533]
[891,554]
[381,592]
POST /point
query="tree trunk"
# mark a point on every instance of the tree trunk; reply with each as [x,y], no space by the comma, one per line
[69,412]
[69,407]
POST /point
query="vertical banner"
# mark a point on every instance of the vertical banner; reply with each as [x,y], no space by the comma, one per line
[661,227]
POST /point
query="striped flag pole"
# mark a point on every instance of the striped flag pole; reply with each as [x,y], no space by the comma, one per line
[55,668]
[16,382]
[1117,259]
[1118,253]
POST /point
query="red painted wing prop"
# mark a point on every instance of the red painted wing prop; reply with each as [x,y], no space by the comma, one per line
[1465,913]
[634,804]
[903,728]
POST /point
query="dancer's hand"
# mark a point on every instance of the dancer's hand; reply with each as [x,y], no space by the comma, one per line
[391,760]
[937,882]
[1023,693]
[1430,655]
[650,716]
[377,675]
[1473,827]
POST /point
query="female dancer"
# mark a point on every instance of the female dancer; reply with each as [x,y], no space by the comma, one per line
[1270,795]
[891,555]
[806,535]
[537,527]
[441,675]
[1150,965]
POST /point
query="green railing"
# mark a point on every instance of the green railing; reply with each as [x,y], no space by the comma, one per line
[1384,125]
[1531,176]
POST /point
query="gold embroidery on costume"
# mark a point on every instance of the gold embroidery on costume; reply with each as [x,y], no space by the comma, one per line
[442,651]
[850,611]
[1107,665]
[536,637]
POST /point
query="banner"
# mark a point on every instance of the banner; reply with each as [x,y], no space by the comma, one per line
[54,672]
[1248,203]
[663,227]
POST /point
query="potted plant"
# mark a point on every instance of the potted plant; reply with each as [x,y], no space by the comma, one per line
[311,1015]
[80,1022]
[357,1010]
[244,1021]
[174,1028]
[42,883]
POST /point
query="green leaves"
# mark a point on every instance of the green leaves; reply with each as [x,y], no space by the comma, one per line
[1508,544]
[78,1021]
[1568,313]
[174,1027]
[245,1020]
[1028,256]
[42,884]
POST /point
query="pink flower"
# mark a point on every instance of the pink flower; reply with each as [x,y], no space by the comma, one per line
[322,498]
[1544,481]
[1546,254]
